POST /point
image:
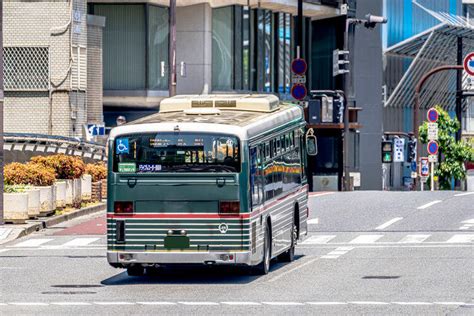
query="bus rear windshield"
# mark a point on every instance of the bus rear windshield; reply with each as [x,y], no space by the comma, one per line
[176,152]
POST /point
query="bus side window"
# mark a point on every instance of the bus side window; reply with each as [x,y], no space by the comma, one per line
[256,181]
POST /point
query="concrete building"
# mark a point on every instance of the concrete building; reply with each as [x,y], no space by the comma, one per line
[47,64]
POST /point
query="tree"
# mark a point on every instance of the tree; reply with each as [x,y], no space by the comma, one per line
[453,154]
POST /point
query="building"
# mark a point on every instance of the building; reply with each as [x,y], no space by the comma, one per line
[52,58]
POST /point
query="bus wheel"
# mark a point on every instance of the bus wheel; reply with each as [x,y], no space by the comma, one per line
[136,270]
[289,255]
[264,266]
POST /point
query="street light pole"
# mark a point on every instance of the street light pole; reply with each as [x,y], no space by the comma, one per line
[172,49]
[1,112]
[346,87]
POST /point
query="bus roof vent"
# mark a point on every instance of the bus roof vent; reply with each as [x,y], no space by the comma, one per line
[202,111]
[236,102]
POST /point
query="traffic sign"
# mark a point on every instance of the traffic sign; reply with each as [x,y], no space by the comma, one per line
[432,131]
[413,166]
[424,167]
[399,150]
[95,129]
[433,158]
[298,79]
[298,91]
[432,115]
[469,64]
[432,147]
[299,66]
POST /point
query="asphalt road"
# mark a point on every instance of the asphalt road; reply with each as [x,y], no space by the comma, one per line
[367,253]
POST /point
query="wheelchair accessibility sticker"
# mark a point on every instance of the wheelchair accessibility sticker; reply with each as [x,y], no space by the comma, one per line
[121,147]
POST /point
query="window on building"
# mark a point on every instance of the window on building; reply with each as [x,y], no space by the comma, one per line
[158,31]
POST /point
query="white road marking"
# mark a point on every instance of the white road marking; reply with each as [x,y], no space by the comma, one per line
[368,303]
[4,250]
[283,303]
[318,239]
[428,205]
[467,224]
[313,221]
[28,304]
[33,242]
[80,242]
[365,239]
[71,303]
[412,303]
[320,193]
[241,303]
[449,303]
[329,257]
[156,303]
[199,303]
[337,253]
[4,232]
[114,303]
[326,303]
[414,239]
[292,270]
[464,194]
[390,222]
[469,221]
[461,239]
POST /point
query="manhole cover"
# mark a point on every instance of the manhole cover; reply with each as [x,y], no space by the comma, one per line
[77,286]
[68,292]
[381,277]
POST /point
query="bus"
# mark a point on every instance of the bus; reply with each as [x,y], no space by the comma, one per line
[211,180]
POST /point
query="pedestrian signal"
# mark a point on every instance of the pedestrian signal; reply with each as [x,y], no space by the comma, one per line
[387,151]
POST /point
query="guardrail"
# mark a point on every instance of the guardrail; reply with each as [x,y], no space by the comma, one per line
[21,147]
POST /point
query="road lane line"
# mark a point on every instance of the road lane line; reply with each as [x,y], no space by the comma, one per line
[449,303]
[469,221]
[428,205]
[80,242]
[114,303]
[465,238]
[32,242]
[390,222]
[464,194]
[326,303]
[292,270]
[71,303]
[241,303]
[4,250]
[368,303]
[156,303]
[319,239]
[199,303]
[329,257]
[414,239]
[365,239]
[283,303]
[28,304]
[412,303]
[313,221]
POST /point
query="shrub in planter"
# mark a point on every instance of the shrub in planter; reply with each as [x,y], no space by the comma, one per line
[98,171]
[65,167]
[31,173]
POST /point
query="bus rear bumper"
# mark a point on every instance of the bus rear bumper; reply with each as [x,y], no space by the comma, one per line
[125,258]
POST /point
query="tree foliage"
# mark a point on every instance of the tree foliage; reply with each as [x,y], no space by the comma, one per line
[453,153]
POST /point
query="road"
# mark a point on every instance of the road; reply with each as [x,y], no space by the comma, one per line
[366,253]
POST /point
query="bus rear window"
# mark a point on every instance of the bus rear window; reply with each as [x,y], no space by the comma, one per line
[176,152]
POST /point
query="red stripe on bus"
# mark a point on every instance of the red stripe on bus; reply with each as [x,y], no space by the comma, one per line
[182,216]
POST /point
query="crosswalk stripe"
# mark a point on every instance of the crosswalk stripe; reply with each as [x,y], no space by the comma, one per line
[365,239]
[33,242]
[313,221]
[413,239]
[80,242]
[319,239]
[461,239]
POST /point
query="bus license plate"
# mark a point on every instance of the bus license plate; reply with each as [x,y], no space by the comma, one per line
[176,242]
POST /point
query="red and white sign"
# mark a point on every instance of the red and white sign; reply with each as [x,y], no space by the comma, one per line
[469,64]
[432,115]
[424,167]
[432,147]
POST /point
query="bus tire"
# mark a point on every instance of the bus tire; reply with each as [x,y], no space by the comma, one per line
[264,266]
[135,271]
[289,255]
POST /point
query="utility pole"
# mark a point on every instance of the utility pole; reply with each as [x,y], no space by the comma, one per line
[1,112]
[346,87]
[172,49]
[459,92]
[299,29]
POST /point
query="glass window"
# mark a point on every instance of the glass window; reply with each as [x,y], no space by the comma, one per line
[176,152]
[157,47]
[222,54]
[123,46]
[268,50]
[281,53]
[287,53]
[246,48]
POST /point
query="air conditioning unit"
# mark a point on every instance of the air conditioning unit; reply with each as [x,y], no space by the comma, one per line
[325,182]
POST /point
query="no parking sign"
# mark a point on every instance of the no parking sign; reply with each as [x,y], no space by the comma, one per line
[469,64]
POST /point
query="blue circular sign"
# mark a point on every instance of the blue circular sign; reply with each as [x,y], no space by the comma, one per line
[432,147]
[432,115]
[298,91]
[299,66]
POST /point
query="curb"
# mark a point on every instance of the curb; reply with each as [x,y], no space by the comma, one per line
[37,225]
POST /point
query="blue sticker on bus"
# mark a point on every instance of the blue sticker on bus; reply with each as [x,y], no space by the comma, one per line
[148,168]
[121,147]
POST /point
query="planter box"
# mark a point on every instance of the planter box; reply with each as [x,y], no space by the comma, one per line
[104,188]
[15,207]
[47,200]
[77,195]
[86,187]
[60,192]
[96,191]
[69,191]
[34,204]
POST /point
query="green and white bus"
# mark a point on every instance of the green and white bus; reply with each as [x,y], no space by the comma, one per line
[213,180]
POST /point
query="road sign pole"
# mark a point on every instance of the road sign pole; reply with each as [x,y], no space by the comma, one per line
[432,176]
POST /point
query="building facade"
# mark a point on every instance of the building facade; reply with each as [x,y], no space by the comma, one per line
[46,66]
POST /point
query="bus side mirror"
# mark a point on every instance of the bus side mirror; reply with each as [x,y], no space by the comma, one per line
[311,143]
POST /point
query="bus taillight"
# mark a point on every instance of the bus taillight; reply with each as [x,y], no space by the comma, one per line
[229,207]
[121,207]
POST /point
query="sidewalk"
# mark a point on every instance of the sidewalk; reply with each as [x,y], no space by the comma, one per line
[11,232]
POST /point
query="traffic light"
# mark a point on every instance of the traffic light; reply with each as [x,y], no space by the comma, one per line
[387,151]
[412,150]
